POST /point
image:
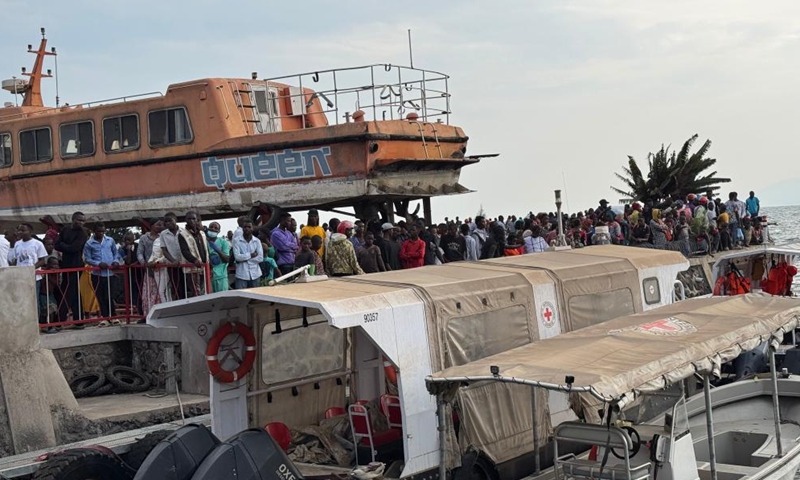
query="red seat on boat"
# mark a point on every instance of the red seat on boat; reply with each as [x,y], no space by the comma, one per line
[363,434]
[390,406]
[280,433]
[335,412]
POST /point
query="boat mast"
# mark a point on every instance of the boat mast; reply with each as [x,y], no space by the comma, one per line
[33,93]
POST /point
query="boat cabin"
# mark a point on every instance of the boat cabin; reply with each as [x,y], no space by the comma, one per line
[349,355]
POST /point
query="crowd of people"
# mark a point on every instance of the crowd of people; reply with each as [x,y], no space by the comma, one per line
[166,262]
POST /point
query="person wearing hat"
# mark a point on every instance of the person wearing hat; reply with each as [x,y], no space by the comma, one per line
[312,228]
[390,249]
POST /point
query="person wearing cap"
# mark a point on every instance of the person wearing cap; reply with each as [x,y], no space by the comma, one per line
[390,249]
[312,228]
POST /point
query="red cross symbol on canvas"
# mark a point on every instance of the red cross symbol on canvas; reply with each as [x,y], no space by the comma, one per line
[548,314]
[662,324]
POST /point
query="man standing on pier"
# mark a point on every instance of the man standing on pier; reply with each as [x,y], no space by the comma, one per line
[70,243]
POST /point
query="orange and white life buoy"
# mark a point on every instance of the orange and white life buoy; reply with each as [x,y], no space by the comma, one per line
[389,371]
[212,352]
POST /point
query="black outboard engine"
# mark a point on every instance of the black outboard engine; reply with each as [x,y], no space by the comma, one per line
[178,456]
[248,455]
[752,362]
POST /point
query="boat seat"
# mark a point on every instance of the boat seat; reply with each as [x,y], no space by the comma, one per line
[578,468]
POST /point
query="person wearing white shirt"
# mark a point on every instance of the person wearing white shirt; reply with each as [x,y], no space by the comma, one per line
[5,247]
[29,252]
[249,254]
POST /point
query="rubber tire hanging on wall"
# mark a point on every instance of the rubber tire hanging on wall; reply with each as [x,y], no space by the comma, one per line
[83,463]
[86,384]
[128,379]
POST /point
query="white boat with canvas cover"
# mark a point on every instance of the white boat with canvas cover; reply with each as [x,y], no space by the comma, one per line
[745,430]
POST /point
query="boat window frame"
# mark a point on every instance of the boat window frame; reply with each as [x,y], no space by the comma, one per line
[77,155]
[10,159]
[34,129]
[138,132]
[167,109]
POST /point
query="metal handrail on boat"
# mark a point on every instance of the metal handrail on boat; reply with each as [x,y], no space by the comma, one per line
[386,91]
[123,99]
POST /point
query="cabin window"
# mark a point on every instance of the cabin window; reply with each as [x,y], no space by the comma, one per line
[5,150]
[121,133]
[169,127]
[479,335]
[35,145]
[301,352]
[591,309]
[77,139]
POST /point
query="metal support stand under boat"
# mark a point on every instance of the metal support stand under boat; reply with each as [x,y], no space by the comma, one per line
[440,404]
[712,451]
[536,462]
[562,241]
[775,402]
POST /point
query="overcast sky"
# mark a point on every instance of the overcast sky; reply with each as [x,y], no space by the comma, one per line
[562,90]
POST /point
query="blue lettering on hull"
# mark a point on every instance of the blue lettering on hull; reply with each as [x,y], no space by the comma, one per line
[266,167]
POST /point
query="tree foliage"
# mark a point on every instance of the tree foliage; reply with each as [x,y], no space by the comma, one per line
[671,174]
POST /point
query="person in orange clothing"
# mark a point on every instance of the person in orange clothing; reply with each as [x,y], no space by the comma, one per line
[412,253]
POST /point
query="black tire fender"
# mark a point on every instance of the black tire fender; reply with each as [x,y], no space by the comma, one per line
[84,385]
[83,463]
[475,466]
[106,388]
[143,446]
[128,379]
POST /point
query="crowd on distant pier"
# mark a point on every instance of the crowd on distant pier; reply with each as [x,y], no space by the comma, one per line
[166,262]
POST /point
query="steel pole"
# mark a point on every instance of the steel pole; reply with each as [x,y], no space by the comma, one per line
[442,438]
[536,462]
[776,407]
[712,452]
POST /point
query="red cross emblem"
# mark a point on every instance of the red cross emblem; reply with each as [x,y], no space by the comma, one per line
[548,314]
[665,325]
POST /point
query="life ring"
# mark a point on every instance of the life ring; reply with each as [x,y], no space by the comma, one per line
[389,371]
[212,352]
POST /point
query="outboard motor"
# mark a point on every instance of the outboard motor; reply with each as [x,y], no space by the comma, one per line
[248,455]
[178,456]
[752,361]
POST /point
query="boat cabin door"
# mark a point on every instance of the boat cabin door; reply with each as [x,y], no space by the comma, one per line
[266,101]
[368,363]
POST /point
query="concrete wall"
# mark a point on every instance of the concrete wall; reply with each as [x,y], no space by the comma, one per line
[25,421]
[75,361]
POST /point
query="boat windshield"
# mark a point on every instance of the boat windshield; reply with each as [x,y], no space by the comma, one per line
[680,423]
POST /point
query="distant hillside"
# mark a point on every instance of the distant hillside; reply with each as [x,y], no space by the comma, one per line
[786,192]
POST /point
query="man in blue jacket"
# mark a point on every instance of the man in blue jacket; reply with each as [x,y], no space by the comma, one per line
[101,251]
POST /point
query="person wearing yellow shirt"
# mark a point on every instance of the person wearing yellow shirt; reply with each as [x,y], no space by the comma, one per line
[312,228]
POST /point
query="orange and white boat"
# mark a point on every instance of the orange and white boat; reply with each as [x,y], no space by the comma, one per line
[371,137]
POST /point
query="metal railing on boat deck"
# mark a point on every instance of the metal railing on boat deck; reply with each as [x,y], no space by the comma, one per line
[77,296]
[384,91]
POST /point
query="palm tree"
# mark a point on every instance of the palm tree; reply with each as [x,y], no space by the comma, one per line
[671,174]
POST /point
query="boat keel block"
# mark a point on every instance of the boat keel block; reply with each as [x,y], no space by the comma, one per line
[248,455]
[178,456]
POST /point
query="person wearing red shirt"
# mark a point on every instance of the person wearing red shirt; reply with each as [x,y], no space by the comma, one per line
[412,253]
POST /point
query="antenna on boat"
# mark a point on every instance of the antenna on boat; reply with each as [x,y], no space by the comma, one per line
[410,52]
[33,93]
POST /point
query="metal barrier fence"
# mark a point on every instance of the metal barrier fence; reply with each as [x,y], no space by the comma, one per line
[124,293]
[386,91]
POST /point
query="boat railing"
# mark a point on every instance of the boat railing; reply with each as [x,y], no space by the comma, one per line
[93,103]
[120,293]
[381,91]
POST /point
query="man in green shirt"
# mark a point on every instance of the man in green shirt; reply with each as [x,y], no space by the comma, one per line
[220,251]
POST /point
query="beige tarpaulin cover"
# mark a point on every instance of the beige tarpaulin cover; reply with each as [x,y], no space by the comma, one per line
[642,352]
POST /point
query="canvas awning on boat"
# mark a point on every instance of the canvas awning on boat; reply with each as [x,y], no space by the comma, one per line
[636,353]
